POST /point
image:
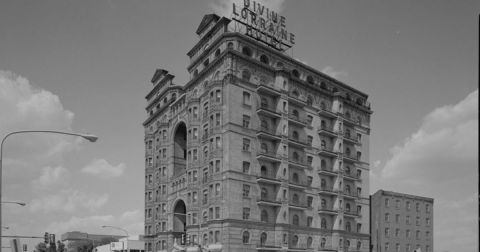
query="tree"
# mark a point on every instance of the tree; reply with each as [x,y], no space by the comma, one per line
[61,247]
[41,247]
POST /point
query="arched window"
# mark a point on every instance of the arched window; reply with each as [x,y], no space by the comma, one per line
[348,97]
[216,76]
[247,51]
[264,193]
[323,223]
[348,226]
[264,148]
[347,243]
[295,113]
[264,124]
[295,240]
[323,164]
[295,220]
[323,203]
[264,59]
[264,171]
[323,105]
[264,102]
[347,207]
[279,64]
[245,237]
[359,120]
[323,183]
[323,241]
[295,93]
[335,90]
[195,73]
[347,170]
[217,52]
[323,85]
[323,144]
[205,217]
[295,198]
[295,73]
[263,238]
[246,75]
[310,79]
[348,133]
[347,115]
[359,244]
[348,152]
[309,242]
[230,45]
[264,216]
[295,156]
[295,177]
[309,100]
[295,135]
[205,239]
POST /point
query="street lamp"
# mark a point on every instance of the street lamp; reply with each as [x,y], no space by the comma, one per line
[119,228]
[15,202]
[89,137]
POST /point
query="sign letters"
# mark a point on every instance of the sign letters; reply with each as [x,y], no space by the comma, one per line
[264,25]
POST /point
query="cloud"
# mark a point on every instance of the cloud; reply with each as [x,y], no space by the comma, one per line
[101,168]
[68,200]
[50,176]
[25,107]
[328,70]
[440,160]
[131,220]
[224,7]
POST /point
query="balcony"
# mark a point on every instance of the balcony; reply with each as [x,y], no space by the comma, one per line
[299,184]
[297,205]
[349,158]
[268,134]
[296,100]
[266,110]
[327,152]
[265,178]
[269,156]
[327,113]
[297,142]
[351,195]
[350,176]
[326,190]
[268,246]
[349,122]
[326,131]
[269,202]
[297,163]
[351,213]
[327,210]
[348,138]
[326,171]
[263,88]
[297,120]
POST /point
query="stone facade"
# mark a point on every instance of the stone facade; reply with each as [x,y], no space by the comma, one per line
[401,222]
[257,152]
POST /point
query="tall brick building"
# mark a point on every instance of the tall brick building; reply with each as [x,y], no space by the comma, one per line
[401,222]
[257,152]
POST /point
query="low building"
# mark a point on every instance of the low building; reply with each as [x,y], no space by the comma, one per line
[128,244]
[76,241]
[401,222]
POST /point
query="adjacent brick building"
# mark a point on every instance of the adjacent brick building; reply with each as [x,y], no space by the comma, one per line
[257,152]
[401,222]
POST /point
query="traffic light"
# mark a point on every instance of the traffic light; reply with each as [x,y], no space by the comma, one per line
[187,242]
[52,239]
[46,238]
[182,241]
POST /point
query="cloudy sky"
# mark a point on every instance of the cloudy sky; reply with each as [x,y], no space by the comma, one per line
[85,66]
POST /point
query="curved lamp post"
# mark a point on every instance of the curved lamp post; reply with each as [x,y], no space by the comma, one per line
[15,202]
[89,137]
[119,228]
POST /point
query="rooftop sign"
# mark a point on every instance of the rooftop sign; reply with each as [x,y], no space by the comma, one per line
[264,25]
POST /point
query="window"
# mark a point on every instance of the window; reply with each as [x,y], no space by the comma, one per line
[246,75]
[387,202]
[246,121]
[397,218]
[417,207]
[348,226]
[295,73]
[246,190]
[205,217]
[217,53]
[359,227]
[323,241]
[407,220]
[246,98]
[309,201]
[387,217]
[247,51]
[387,246]
[264,216]
[263,238]
[264,59]
[417,221]
[309,242]
[427,208]
[407,233]
[323,223]
[397,232]
[217,119]
[295,241]
[246,213]
[205,197]
[245,237]
[245,167]
[246,144]
[309,140]
[217,212]
[387,232]
[407,206]
[417,234]
[295,177]
[309,100]
[397,247]
[427,221]
[295,198]
[217,189]
[309,221]
[218,142]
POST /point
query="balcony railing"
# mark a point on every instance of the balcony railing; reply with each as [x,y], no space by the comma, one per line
[264,109]
[268,201]
[327,113]
[327,171]
[327,210]
[297,120]
[269,156]
[325,151]
[267,89]
[266,178]
[268,133]
[327,131]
